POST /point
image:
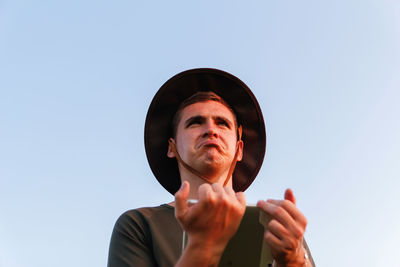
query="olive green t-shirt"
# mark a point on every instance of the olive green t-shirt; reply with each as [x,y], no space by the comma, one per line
[148,237]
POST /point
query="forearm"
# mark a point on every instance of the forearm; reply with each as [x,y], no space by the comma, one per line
[303,260]
[199,254]
[209,224]
[305,263]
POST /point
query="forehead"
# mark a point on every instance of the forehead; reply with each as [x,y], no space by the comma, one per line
[207,108]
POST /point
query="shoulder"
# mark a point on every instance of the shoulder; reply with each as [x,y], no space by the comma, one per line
[141,217]
[144,224]
[149,212]
[146,212]
[146,236]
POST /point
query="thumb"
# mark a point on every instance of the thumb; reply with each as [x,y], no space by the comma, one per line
[181,197]
[290,196]
[241,198]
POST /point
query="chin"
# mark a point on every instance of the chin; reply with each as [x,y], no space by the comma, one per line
[212,163]
[212,169]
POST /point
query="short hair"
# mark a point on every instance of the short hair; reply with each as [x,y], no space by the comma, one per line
[198,98]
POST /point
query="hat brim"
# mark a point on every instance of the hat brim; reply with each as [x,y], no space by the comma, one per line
[165,104]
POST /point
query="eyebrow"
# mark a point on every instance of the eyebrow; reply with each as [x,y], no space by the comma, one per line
[201,119]
[224,119]
[194,118]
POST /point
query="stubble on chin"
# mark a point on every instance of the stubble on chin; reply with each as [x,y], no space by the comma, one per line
[212,164]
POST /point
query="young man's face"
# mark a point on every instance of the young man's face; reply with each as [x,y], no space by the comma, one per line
[206,138]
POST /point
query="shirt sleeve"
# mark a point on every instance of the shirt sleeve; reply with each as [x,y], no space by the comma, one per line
[131,242]
[308,253]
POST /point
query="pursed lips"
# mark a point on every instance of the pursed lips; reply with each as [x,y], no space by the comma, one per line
[211,143]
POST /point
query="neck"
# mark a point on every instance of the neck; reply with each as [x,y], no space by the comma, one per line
[196,182]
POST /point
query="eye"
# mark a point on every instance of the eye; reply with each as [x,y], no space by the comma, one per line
[223,122]
[195,121]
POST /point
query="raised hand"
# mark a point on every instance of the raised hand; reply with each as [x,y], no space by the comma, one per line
[210,223]
[285,230]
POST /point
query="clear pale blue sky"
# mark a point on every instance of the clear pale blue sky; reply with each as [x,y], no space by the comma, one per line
[76,79]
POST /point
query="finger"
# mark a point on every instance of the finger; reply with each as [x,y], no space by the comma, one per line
[241,198]
[288,241]
[274,242]
[277,229]
[181,196]
[280,244]
[229,191]
[295,226]
[291,209]
[206,193]
[218,189]
[290,196]
[276,211]
[222,197]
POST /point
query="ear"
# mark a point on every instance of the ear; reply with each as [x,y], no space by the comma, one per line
[240,153]
[170,153]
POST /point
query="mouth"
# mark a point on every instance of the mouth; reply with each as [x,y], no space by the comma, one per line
[211,144]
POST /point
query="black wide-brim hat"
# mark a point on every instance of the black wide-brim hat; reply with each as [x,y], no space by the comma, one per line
[158,126]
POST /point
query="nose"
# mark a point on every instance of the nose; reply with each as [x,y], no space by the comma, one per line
[210,130]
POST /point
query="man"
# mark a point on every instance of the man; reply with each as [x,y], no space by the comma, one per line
[205,140]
